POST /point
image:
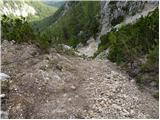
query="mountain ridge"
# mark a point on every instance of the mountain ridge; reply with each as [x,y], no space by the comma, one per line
[29,9]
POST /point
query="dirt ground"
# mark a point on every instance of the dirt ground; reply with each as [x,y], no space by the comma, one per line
[59,86]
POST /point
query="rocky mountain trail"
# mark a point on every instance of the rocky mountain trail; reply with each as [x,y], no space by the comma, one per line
[61,86]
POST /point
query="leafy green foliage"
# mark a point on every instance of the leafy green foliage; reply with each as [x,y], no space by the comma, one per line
[151,66]
[134,40]
[16,29]
[152,60]
[20,30]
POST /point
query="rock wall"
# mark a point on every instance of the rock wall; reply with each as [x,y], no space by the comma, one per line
[115,12]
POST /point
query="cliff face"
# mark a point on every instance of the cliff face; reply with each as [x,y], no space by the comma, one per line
[115,12]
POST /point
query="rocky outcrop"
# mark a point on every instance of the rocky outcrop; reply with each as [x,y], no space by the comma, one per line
[115,12]
[17,9]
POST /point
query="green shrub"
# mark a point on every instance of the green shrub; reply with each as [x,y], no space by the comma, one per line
[152,62]
[17,29]
[20,30]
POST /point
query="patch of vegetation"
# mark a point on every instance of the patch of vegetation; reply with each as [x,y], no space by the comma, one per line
[17,29]
[42,24]
[151,66]
[42,10]
[20,30]
[152,60]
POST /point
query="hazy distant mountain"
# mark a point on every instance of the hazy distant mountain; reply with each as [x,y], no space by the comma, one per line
[54,3]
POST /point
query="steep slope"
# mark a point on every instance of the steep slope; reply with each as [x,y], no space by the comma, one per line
[74,22]
[59,86]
